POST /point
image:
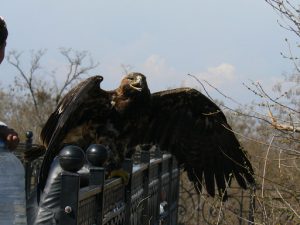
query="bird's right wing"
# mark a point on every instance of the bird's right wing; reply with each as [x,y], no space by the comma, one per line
[69,109]
[76,107]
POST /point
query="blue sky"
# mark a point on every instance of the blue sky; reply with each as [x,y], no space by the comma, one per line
[225,42]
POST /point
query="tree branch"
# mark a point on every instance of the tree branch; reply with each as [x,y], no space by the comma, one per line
[284,127]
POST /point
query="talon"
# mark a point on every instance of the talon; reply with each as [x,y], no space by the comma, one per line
[120,173]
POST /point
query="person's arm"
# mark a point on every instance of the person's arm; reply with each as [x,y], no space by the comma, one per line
[9,135]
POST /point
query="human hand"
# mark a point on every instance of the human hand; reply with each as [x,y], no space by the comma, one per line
[10,136]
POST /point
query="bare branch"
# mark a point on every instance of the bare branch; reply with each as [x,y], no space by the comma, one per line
[276,102]
[126,68]
[289,14]
[265,165]
[288,204]
[14,59]
[284,127]
[75,68]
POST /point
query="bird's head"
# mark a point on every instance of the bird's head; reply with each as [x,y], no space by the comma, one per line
[134,84]
[133,94]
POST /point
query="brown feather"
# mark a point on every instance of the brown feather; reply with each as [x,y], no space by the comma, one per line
[182,121]
[194,129]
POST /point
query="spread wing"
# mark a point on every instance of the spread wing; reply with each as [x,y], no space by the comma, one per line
[78,107]
[190,126]
[65,114]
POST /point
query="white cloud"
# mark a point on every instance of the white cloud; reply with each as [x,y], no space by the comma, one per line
[157,66]
[224,70]
[161,75]
[219,75]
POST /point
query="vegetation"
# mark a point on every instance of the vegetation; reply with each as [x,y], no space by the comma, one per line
[35,92]
[269,131]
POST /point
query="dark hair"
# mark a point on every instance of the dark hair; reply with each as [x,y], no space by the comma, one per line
[3,31]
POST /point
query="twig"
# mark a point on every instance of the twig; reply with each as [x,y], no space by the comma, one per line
[282,126]
[273,100]
[265,165]
[263,143]
[294,211]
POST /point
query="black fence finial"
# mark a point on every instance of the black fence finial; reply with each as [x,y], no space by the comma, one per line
[71,158]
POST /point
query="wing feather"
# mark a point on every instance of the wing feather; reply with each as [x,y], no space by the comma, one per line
[194,129]
[77,107]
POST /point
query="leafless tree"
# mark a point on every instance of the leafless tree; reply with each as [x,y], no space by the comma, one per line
[289,12]
[36,91]
[76,68]
[273,151]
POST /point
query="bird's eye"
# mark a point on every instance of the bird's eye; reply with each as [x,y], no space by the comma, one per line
[130,78]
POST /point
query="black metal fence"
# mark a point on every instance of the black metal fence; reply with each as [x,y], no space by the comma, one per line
[32,167]
[194,209]
[150,197]
[153,196]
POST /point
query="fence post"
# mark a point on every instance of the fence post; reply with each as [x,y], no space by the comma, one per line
[127,166]
[177,189]
[252,205]
[158,155]
[145,158]
[70,185]
[170,171]
[97,177]
[71,160]
[28,168]
[97,155]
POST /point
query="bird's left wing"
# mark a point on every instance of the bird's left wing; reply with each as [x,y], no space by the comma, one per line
[194,129]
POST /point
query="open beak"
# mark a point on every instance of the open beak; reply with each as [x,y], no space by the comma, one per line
[137,84]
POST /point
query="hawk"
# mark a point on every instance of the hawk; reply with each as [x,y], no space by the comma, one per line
[181,121]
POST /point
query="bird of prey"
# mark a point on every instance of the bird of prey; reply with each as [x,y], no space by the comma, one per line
[181,121]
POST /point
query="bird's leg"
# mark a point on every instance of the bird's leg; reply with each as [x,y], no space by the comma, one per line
[115,163]
[120,173]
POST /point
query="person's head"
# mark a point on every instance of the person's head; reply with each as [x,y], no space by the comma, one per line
[3,37]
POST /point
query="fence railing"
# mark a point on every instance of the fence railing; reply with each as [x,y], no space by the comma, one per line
[32,167]
[150,196]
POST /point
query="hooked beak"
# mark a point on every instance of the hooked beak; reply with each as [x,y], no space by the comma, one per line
[136,88]
[137,84]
